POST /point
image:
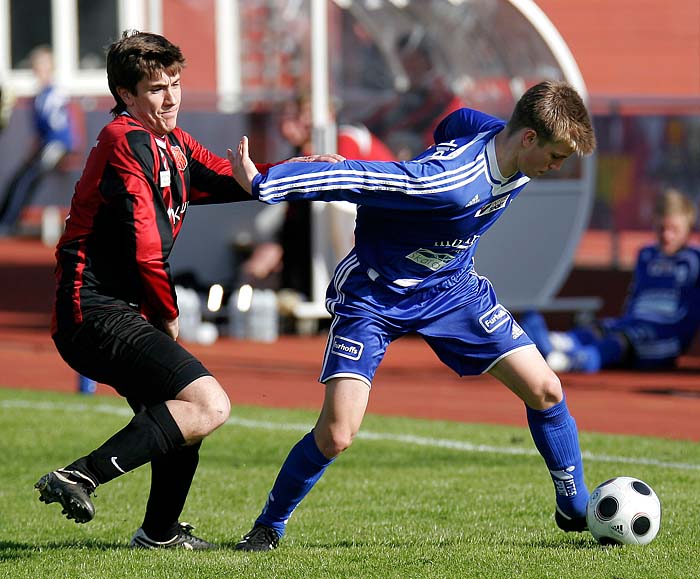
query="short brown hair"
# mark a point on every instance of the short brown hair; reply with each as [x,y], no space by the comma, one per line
[673,202]
[556,112]
[138,55]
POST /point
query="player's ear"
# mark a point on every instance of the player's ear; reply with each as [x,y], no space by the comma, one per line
[125,95]
[529,138]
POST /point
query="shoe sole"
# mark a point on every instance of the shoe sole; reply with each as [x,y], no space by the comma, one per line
[72,508]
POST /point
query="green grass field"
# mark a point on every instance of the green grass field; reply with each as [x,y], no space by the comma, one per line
[412,498]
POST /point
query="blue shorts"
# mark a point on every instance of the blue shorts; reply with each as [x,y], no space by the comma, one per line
[653,345]
[460,319]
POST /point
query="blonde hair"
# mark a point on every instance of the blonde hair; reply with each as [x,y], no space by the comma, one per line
[556,112]
[673,202]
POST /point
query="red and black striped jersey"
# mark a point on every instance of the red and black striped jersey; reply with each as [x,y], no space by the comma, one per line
[126,212]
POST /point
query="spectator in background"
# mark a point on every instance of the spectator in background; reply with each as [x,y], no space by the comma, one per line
[56,138]
[407,122]
[662,313]
[283,231]
[6,104]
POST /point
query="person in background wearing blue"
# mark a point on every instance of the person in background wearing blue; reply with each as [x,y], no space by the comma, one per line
[7,102]
[661,314]
[412,271]
[55,139]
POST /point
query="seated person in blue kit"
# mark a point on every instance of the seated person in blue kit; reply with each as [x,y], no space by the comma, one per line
[662,312]
[56,141]
[412,271]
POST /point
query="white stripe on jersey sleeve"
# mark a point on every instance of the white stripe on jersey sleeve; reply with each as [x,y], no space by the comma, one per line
[371,181]
[281,181]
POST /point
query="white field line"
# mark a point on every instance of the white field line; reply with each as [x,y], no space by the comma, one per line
[409,439]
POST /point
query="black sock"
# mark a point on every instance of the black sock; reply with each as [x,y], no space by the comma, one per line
[150,434]
[171,477]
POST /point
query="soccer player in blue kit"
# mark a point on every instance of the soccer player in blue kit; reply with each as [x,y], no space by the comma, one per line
[662,312]
[412,271]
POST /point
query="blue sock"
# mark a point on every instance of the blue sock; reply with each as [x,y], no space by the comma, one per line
[611,350]
[585,359]
[604,352]
[556,437]
[585,335]
[303,467]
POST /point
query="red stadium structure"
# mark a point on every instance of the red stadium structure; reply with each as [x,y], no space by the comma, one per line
[246,58]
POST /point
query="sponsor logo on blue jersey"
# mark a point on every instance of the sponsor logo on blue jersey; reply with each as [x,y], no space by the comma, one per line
[347,348]
[494,318]
[430,259]
[459,243]
[499,203]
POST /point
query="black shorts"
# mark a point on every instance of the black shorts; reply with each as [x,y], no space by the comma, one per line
[116,346]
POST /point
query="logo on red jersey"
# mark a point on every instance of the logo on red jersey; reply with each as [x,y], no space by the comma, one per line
[177,213]
[179,157]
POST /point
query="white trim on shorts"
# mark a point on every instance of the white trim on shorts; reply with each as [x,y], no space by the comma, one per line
[349,375]
[508,353]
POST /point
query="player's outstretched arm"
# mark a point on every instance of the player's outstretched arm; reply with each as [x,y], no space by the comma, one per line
[322,158]
[244,170]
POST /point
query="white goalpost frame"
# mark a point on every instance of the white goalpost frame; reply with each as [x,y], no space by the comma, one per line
[324,141]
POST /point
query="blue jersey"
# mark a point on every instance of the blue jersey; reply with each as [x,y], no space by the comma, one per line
[52,118]
[418,222]
[666,291]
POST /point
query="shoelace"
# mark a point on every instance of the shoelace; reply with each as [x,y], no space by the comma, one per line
[186,532]
[80,479]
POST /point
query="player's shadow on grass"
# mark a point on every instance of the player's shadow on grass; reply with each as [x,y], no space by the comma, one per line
[350,544]
[10,551]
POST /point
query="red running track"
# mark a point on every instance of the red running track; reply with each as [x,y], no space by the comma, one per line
[410,382]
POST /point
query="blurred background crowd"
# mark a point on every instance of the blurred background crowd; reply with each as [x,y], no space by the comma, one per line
[395,68]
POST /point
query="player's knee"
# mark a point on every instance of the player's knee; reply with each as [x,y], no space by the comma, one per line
[547,392]
[211,412]
[334,441]
[217,410]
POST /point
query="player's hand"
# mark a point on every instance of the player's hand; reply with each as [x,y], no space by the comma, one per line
[323,158]
[265,260]
[171,327]
[244,170]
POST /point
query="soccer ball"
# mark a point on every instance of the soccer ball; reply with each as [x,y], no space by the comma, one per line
[623,511]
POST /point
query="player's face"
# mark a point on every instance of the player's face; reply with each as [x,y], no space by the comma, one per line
[156,102]
[672,232]
[538,158]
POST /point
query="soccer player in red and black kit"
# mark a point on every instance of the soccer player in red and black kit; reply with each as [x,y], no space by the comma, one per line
[116,316]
